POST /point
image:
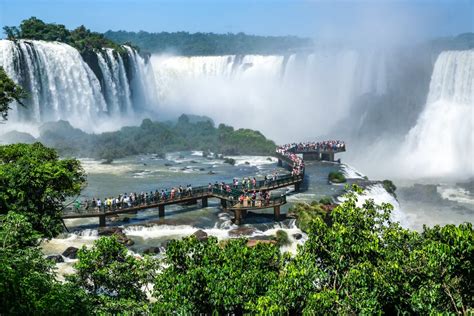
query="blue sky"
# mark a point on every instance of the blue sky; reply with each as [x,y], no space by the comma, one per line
[316,19]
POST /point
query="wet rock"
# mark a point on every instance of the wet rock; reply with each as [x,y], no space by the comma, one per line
[118,233]
[211,172]
[242,231]
[109,231]
[297,236]
[193,161]
[247,163]
[71,252]
[126,219]
[168,164]
[55,258]
[200,235]
[152,251]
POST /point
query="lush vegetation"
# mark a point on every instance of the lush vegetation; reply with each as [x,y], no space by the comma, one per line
[9,92]
[336,177]
[188,44]
[355,261]
[81,37]
[390,187]
[34,182]
[156,138]
[306,213]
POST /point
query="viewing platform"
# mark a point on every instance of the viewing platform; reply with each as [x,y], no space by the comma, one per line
[229,200]
[236,198]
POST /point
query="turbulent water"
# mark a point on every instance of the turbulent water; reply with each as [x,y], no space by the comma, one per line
[62,85]
[257,91]
[442,142]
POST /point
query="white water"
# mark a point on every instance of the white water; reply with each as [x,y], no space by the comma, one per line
[441,144]
[62,86]
[380,195]
[310,92]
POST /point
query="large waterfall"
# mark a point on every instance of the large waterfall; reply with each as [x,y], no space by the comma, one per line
[311,90]
[442,142]
[62,85]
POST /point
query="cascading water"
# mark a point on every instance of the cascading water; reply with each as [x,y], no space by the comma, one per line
[116,87]
[62,85]
[441,144]
[256,91]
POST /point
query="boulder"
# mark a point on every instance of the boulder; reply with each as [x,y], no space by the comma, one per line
[297,236]
[55,258]
[71,252]
[152,251]
[242,231]
[109,231]
[200,235]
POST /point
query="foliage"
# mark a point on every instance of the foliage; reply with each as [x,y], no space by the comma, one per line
[204,277]
[34,182]
[326,200]
[9,92]
[188,44]
[155,137]
[306,213]
[27,278]
[361,262]
[113,279]
[282,238]
[81,38]
[336,177]
[389,187]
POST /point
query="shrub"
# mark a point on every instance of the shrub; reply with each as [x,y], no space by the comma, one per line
[336,177]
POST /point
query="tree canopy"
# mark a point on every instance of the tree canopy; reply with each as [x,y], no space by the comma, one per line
[189,44]
[34,182]
[9,92]
[81,38]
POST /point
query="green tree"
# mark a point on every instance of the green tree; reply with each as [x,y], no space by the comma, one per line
[113,279]
[27,279]
[9,92]
[34,182]
[206,277]
[361,262]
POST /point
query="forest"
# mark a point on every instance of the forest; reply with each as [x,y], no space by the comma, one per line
[208,44]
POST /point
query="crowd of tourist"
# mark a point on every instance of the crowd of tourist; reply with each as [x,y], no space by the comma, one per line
[246,189]
[298,163]
[329,145]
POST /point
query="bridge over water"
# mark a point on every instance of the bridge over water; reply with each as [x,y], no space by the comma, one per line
[230,199]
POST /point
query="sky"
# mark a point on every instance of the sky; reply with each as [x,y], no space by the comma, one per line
[315,19]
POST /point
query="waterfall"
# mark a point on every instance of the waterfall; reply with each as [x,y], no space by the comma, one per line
[62,85]
[442,141]
[117,90]
[255,91]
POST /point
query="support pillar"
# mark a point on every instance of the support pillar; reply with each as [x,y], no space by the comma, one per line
[244,213]
[280,163]
[223,203]
[204,202]
[161,210]
[102,220]
[238,217]
[297,186]
[276,212]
